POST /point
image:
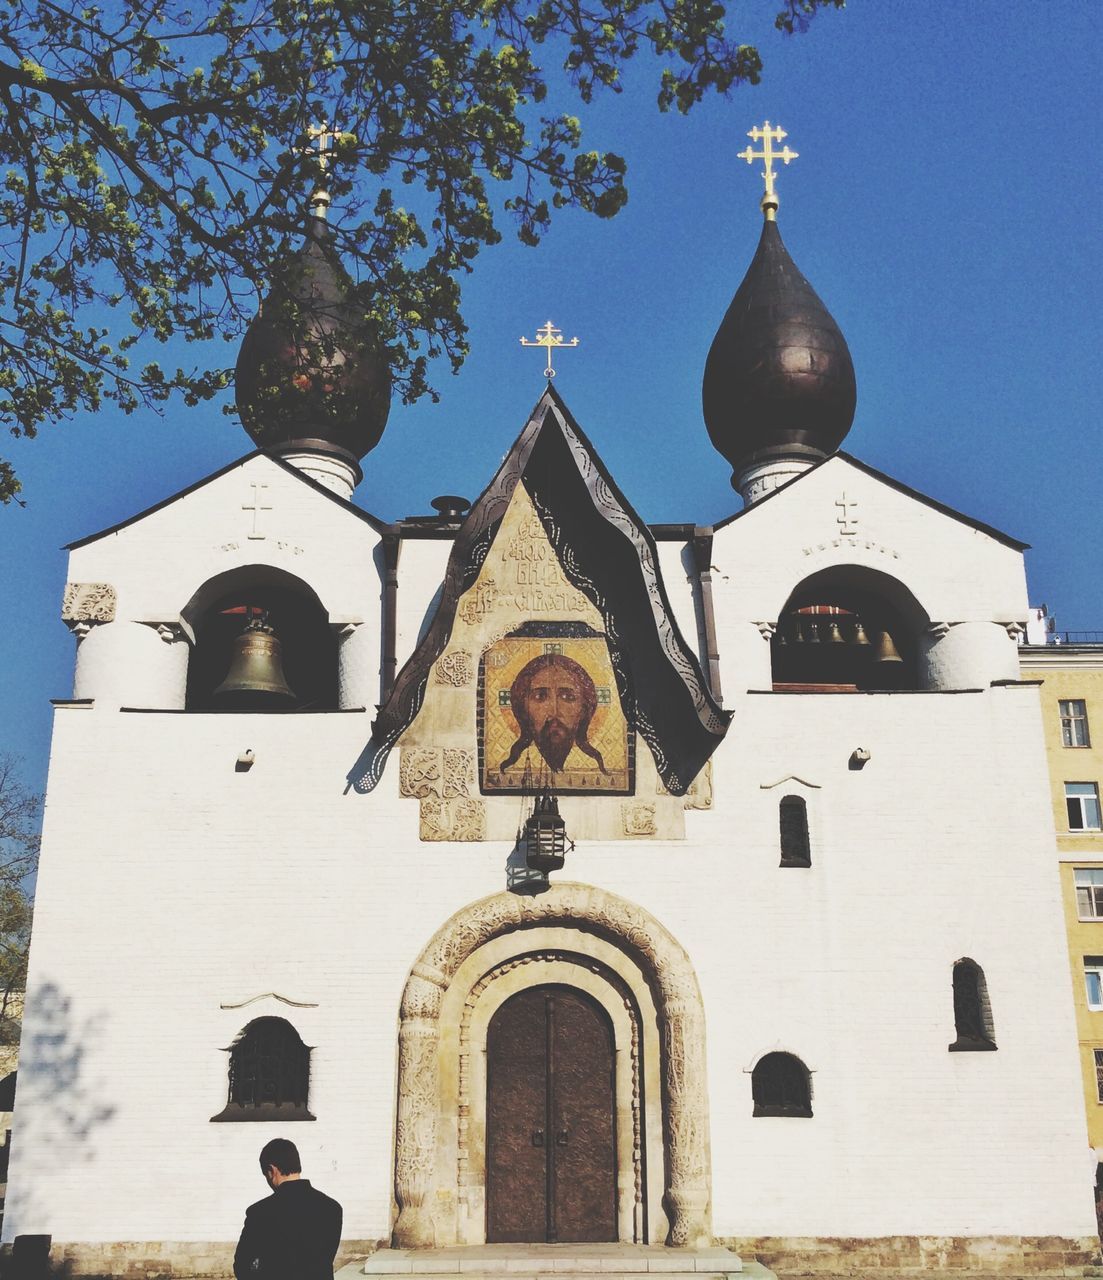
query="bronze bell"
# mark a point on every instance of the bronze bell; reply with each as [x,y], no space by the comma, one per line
[255,677]
[834,635]
[860,636]
[886,649]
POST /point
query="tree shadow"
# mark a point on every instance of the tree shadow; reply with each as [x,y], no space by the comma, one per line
[57,1108]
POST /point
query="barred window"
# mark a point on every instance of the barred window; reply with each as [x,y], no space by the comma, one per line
[972,1010]
[1099,1073]
[781,1086]
[1074,722]
[269,1073]
[793,821]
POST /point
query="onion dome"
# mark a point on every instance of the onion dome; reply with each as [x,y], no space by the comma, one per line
[779,382]
[311,378]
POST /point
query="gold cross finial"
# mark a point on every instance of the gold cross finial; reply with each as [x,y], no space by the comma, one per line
[549,337]
[325,137]
[768,137]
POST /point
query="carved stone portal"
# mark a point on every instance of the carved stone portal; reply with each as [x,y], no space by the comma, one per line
[681,1024]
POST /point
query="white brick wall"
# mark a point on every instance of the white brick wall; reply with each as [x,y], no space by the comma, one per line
[171,885]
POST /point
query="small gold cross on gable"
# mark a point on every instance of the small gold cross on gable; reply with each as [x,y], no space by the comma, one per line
[768,137]
[549,337]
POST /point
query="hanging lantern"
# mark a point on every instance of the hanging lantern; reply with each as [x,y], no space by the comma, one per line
[545,835]
[255,677]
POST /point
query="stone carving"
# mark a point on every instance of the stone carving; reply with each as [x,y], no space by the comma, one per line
[88,602]
[479,601]
[455,668]
[699,795]
[468,820]
[639,819]
[459,772]
[419,774]
[682,1027]
[766,629]
[460,819]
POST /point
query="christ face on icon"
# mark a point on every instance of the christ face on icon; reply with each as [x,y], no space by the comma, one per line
[553,699]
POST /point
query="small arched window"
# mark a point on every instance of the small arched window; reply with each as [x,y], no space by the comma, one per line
[781,1086]
[269,1074]
[972,1010]
[793,821]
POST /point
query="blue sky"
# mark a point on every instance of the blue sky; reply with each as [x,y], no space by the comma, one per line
[945,205]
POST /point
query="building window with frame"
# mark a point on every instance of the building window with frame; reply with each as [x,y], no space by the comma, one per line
[1074,722]
[269,1073]
[1082,804]
[1089,892]
[1093,981]
[781,1085]
[1098,1056]
[793,822]
[972,1009]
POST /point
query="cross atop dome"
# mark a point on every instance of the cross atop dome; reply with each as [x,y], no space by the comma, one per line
[767,136]
[325,138]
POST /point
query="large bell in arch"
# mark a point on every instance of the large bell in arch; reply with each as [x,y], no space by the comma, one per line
[255,678]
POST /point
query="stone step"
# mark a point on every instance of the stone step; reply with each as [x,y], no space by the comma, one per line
[563,1262]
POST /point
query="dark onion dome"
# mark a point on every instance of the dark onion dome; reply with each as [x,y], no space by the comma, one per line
[309,374]
[779,381]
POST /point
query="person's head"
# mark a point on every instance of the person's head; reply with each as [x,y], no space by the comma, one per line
[279,1159]
[553,700]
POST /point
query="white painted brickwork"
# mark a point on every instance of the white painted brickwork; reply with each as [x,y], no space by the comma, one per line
[172,885]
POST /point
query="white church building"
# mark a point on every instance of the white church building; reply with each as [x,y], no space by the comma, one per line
[800,986]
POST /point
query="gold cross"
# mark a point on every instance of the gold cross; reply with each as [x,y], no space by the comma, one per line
[768,137]
[325,138]
[549,336]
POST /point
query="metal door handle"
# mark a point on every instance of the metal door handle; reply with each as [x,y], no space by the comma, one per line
[538,1137]
[561,1138]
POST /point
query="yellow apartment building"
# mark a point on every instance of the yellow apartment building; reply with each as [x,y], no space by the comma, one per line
[1072,703]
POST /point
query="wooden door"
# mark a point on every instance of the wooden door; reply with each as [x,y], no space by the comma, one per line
[551,1170]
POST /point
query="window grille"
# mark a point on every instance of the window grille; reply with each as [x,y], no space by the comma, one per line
[972,1010]
[781,1086]
[793,821]
[269,1074]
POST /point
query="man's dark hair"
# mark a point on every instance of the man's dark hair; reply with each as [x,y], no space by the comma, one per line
[283,1153]
[518,699]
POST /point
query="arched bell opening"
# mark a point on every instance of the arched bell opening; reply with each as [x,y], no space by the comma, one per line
[262,643]
[847,629]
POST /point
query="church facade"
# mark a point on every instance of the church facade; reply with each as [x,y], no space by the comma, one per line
[303,865]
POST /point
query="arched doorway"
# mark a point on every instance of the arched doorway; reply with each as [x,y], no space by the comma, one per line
[551,1158]
[624,959]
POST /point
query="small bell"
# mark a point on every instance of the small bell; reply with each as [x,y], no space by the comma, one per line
[812,631]
[860,636]
[834,635]
[255,678]
[886,649]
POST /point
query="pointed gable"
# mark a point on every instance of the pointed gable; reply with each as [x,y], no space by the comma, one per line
[608,557]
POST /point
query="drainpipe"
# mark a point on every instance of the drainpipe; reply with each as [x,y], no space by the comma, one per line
[702,559]
[391,545]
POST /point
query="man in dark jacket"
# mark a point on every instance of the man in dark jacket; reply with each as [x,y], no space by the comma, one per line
[293,1234]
